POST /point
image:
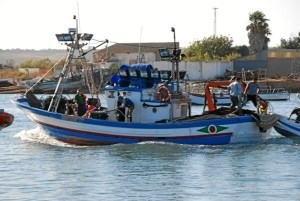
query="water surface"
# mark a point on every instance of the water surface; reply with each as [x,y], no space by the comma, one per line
[36,167]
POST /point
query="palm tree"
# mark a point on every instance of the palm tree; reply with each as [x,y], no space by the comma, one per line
[258,31]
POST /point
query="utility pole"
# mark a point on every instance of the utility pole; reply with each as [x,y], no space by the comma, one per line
[176,54]
[215,21]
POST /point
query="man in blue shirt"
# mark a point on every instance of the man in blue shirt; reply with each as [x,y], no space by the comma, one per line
[122,103]
[235,91]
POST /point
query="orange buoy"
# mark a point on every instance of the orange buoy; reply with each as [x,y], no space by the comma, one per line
[163,93]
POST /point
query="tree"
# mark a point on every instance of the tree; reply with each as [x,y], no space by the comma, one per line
[211,48]
[242,50]
[291,43]
[258,31]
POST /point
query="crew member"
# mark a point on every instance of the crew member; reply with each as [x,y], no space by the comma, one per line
[80,101]
[130,105]
[120,110]
[251,91]
[235,91]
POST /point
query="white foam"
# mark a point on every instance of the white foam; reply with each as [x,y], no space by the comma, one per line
[38,135]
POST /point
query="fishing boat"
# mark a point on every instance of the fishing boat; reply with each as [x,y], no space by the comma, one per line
[288,126]
[139,106]
[6,119]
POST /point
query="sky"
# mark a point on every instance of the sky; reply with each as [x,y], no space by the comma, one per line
[32,24]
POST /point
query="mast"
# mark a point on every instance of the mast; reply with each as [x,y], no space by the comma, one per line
[176,57]
[75,42]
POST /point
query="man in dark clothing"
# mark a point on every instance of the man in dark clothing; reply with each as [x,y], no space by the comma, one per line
[120,110]
[80,101]
[126,103]
[130,105]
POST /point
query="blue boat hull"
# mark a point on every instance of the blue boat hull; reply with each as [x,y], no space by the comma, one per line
[287,127]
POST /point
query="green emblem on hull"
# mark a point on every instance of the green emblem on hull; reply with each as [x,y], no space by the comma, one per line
[212,129]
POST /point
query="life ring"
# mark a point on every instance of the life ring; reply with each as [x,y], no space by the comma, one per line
[163,93]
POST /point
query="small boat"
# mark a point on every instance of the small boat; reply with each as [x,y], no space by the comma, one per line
[139,105]
[274,94]
[220,99]
[6,119]
[287,126]
[197,95]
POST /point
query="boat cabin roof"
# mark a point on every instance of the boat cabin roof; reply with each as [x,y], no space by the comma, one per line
[141,76]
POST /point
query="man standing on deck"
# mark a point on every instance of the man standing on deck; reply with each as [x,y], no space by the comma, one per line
[252,90]
[80,101]
[127,103]
[235,91]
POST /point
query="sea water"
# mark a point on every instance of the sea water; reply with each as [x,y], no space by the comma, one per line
[36,167]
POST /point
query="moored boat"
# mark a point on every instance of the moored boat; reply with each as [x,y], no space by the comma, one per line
[6,119]
[142,106]
[50,85]
[197,95]
[274,94]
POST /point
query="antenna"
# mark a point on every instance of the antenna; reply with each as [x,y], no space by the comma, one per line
[139,50]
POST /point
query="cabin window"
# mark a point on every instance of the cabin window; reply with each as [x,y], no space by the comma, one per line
[154,74]
[133,73]
[123,73]
[144,74]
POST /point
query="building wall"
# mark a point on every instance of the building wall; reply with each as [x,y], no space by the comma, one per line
[279,67]
[283,62]
[249,65]
[199,71]
[277,62]
[251,62]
